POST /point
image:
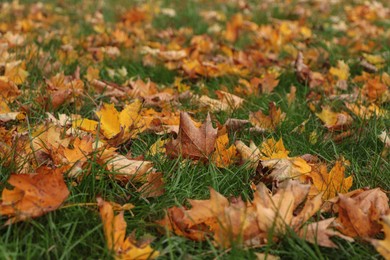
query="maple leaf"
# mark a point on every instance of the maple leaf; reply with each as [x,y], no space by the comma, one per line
[114,227]
[320,232]
[15,71]
[233,101]
[119,127]
[366,112]
[360,211]
[267,122]
[8,90]
[227,221]
[383,246]
[250,154]
[330,183]
[33,195]
[287,168]
[193,142]
[268,82]
[341,72]
[223,155]
[334,121]
[277,212]
[271,149]
[125,169]
[304,73]
[237,222]
[154,185]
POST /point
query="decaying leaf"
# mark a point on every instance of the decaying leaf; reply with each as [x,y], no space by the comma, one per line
[125,169]
[33,195]
[268,122]
[359,212]
[193,142]
[248,223]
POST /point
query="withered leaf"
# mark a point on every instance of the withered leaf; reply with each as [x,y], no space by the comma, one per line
[33,195]
[193,142]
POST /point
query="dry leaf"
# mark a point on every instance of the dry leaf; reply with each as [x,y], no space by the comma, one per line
[114,227]
[331,183]
[268,122]
[359,212]
[154,185]
[223,155]
[383,246]
[193,142]
[334,121]
[33,195]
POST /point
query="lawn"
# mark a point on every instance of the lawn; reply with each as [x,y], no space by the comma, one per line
[227,129]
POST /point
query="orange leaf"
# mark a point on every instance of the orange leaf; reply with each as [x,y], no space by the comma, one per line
[33,195]
[115,231]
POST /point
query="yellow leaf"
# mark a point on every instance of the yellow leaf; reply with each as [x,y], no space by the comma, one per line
[130,114]
[271,149]
[383,246]
[330,183]
[333,120]
[114,227]
[15,71]
[341,72]
[223,156]
[85,124]
[92,73]
[109,120]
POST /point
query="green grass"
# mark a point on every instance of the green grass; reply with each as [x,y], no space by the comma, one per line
[76,231]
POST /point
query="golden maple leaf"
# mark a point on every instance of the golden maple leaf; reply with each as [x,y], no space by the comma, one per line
[330,183]
[223,155]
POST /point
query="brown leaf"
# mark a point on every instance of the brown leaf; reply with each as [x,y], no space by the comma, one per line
[154,186]
[193,142]
[33,195]
[267,122]
[359,212]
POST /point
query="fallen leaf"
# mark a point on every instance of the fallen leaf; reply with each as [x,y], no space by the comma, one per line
[223,155]
[319,233]
[267,122]
[359,212]
[333,120]
[331,183]
[125,170]
[154,185]
[383,246]
[114,227]
[193,142]
[33,195]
